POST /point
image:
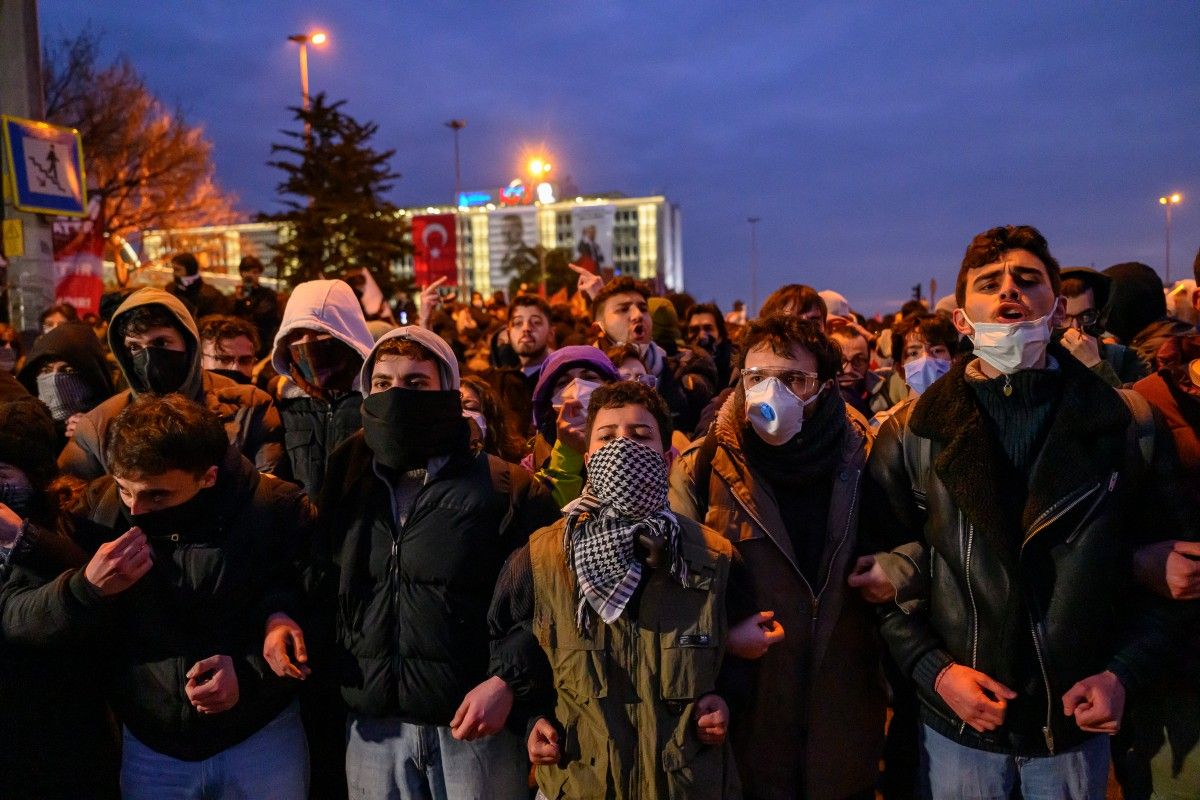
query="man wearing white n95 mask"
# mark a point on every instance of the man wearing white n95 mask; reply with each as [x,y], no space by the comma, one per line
[1022,478]
[778,474]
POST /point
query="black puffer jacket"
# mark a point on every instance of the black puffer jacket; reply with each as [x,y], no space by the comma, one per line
[1048,584]
[411,636]
[312,429]
[209,593]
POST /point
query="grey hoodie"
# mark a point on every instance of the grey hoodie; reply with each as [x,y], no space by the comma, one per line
[447,363]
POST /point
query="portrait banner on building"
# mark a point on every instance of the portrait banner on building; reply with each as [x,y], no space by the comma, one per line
[592,229]
[435,249]
[512,246]
[79,260]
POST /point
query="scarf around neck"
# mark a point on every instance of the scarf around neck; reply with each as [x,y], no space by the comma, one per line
[626,495]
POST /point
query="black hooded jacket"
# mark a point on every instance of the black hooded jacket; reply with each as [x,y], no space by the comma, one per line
[213,585]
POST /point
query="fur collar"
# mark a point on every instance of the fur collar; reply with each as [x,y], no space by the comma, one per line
[1084,443]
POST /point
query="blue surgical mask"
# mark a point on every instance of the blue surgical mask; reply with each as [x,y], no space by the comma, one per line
[921,372]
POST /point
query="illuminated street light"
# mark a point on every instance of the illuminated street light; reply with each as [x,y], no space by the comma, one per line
[1167,202]
[304,39]
[539,167]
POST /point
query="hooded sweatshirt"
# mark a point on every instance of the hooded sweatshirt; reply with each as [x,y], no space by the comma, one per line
[313,427]
[76,344]
[327,306]
[249,416]
[405,486]
[558,362]
[447,363]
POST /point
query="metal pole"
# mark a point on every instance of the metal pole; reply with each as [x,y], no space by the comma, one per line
[304,101]
[457,169]
[31,267]
[754,263]
[1168,243]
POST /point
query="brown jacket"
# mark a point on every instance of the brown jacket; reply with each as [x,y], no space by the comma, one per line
[248,414]
[814,725]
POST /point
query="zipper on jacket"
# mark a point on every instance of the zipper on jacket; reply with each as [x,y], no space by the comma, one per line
[1112,484]
[1047,733]
[967,553]
[1057,510]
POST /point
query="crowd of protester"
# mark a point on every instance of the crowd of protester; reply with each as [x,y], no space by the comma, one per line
[624,545]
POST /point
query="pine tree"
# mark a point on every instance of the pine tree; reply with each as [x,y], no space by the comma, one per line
[338,219]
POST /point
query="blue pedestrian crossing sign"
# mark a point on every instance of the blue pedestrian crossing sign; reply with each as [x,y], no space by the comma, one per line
[45,167]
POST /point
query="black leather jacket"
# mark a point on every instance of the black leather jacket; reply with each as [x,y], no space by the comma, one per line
[1037,596]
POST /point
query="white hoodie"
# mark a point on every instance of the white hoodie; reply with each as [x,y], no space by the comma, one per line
[328,307]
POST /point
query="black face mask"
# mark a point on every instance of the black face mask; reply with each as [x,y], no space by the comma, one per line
[180,520]
[233,375]
[19,496]
[160,370]
[406,427]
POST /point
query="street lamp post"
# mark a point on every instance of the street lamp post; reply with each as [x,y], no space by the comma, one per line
[456,125]
[754,263]
[304,39]
[1167,202]
[539,168]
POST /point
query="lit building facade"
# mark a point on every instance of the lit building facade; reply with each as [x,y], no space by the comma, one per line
[478,243]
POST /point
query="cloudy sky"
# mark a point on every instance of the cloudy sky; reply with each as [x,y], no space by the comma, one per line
[873,139]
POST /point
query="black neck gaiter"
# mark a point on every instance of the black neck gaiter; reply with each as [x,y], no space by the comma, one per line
[185,520]
[406,427]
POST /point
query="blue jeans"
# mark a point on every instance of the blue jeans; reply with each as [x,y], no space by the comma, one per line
[387,759]
[958,772]
[270,765]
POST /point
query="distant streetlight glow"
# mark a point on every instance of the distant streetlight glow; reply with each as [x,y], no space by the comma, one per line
[539,167]
[1167,201]
[317,38]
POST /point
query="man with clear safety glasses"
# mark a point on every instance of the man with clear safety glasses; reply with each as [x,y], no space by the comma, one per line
[778,474]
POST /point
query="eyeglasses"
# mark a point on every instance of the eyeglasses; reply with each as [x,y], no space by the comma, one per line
[227,361]
[1084,319]
[800,383]
[857,362]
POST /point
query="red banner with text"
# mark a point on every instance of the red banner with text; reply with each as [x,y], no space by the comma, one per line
[79,260]
[434,249]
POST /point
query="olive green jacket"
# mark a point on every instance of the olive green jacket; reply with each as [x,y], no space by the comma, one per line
[626,694]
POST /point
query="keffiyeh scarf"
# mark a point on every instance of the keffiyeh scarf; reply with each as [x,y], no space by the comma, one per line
[626,495]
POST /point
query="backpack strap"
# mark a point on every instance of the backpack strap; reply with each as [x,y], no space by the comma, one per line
[704,459]
[1143,422]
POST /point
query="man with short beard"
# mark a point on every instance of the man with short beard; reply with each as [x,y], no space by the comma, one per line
[529,333]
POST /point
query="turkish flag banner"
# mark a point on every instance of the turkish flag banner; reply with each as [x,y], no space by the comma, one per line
[434,249]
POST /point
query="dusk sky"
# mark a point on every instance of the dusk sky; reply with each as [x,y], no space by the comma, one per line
[872,139]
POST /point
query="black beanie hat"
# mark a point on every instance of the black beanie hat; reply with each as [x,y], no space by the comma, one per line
[1137,299]
[28,440]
